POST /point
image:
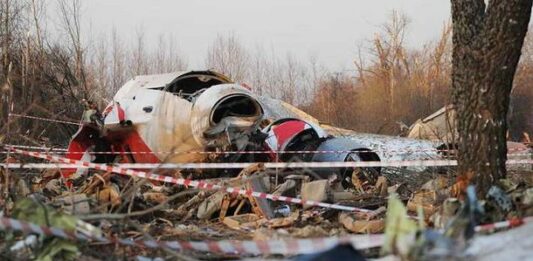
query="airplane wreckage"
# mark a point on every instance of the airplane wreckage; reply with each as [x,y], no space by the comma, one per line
[203,117]
[178,117]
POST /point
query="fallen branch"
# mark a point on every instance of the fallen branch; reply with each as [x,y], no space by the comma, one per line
[141,212]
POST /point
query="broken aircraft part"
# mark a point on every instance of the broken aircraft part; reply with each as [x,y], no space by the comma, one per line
[171,117]
[348,150]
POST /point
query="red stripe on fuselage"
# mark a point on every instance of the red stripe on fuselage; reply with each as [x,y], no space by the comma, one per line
[120,142]
[287,130]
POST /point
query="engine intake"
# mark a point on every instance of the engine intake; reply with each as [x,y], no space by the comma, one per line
[221,106]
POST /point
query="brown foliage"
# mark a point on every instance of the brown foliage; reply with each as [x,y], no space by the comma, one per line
[47,76]
[396,86]
[392,87]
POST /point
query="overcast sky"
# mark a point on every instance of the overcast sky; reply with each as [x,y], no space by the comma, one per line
[327,29]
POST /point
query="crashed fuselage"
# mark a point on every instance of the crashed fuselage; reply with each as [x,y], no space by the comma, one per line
[176,117]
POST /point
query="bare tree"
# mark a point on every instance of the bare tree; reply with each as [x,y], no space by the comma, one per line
[487,42]
[11,26]
[139,64]
[70,13]
[6,44]
[100,71]
[118,62]
[228,56]
[36,10]
[166,57]
[394,53]
[176,61]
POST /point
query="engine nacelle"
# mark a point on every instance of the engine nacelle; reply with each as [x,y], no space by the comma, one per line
[223,106]
[347,150]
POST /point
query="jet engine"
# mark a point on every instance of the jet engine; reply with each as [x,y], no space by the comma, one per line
[225,114]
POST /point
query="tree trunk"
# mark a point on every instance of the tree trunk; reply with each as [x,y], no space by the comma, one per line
[487,43]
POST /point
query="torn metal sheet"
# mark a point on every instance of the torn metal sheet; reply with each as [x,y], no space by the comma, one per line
[439,126]
[390,148]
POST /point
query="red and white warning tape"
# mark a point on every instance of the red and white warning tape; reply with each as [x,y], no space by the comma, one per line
[289,246]
[398,151]
[40,148]
[43,119]
[269,151]
[268,165]
[190,182]
[60,151]
[515,222]
[125,169]
[256,247]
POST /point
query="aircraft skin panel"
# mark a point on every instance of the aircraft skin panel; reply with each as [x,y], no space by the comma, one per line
[135,142]
[169,130]
[146,82]
[390,148]
[277,109]
[138,107]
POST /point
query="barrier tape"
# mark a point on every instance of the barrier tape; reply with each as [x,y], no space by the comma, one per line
[64,150]
[61,152]
[514,222]
[41,148]
[289,246]
[192,183]
[43,119]
[268,165]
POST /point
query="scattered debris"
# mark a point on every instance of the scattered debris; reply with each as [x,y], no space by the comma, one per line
[351,222]
[109,195]
[155,197]
[242,222]
[284,221]
[318,190]
[447,211]
[210,206]
[202,117]
[74,204]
